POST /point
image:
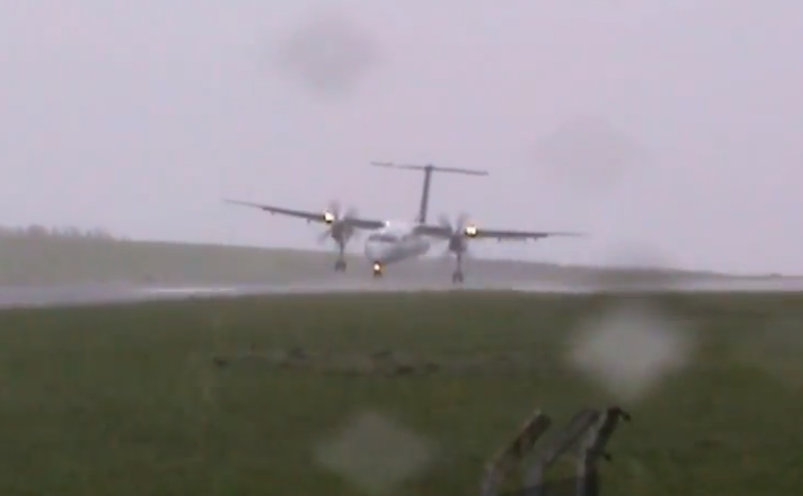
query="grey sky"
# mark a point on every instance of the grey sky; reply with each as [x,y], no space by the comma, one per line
[140,116]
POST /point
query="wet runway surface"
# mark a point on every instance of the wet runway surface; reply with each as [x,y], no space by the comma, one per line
[110,294]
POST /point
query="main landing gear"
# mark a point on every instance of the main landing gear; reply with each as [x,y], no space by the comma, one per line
[457,275]
[377,268]
[340,265]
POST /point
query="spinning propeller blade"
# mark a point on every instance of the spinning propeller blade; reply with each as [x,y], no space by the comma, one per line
[338,228]
[458,240]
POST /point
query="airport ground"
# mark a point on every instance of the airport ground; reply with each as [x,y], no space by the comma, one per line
[59,260]
[396,393]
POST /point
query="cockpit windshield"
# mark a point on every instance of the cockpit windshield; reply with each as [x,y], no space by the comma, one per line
[383,237]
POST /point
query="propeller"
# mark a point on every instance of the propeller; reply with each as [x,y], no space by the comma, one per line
[460,230]
[338,228]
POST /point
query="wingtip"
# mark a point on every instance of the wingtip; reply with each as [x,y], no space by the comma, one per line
[230,201]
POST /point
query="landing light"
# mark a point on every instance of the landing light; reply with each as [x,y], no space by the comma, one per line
[377,267]
[471,230]
[328,217]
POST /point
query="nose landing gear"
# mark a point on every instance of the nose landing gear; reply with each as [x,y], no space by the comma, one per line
[340,265]
[377,268]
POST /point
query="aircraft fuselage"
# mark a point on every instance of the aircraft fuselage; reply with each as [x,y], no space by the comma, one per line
[394,243]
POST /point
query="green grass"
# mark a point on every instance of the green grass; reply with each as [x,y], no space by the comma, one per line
[128,400]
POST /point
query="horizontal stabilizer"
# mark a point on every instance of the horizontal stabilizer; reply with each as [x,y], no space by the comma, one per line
[430,167]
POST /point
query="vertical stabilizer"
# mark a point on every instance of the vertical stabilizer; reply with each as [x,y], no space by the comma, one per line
[428,170]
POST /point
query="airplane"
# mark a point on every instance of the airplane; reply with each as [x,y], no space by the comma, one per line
[393,241]
[343,227]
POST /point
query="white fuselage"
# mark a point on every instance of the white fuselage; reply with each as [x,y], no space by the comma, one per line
[393,243]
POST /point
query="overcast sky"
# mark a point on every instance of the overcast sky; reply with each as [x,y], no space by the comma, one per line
[673,127]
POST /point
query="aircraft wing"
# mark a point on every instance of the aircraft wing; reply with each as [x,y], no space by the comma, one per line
[433,231]
[474,232]
[323,217]
[510,235]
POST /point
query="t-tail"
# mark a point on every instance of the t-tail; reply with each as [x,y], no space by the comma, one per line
[428,170]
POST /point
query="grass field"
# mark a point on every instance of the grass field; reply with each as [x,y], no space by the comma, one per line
[49,260]
[152,400]
[64,260]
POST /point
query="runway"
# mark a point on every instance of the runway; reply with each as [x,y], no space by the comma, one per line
[81,295]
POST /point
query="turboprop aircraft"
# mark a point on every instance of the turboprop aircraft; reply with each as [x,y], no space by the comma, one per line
[393,241]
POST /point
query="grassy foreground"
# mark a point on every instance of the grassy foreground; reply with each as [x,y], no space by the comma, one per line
[130,400]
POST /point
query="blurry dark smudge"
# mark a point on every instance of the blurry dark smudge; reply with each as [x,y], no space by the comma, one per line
[589,152]
[329,55]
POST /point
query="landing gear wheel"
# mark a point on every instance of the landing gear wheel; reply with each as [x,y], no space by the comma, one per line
[457,278]
[377,271]
[340,266]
